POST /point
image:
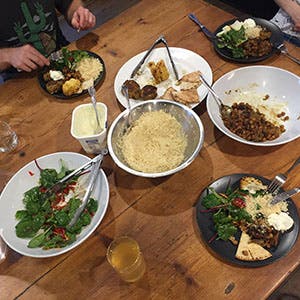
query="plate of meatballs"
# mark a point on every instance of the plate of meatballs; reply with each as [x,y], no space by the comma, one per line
[156,79]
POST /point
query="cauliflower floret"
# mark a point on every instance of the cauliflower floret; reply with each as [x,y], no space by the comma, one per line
[71,87]
[236,25]
[249,23]
[251,184]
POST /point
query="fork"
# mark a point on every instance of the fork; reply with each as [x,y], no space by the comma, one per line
[282,48]
[280,178]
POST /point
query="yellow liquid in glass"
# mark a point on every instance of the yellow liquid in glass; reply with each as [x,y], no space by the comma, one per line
[127,260]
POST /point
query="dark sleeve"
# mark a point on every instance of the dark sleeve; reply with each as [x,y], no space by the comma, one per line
[62,5]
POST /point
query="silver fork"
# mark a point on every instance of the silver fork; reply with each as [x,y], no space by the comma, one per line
[282,48]
[280,178]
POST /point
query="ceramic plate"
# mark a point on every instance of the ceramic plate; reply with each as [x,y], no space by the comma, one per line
[276,39]
[26,178]
[186,61]
[226,250]
[281,86]
[60,94]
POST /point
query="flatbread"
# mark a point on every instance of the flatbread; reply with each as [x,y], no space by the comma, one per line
[249,251]
[168,94]
[186,96]
[190,81]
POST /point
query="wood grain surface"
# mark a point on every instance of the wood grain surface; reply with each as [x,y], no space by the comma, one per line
[158,213]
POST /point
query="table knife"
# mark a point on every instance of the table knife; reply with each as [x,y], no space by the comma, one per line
[206,31]
[285,195]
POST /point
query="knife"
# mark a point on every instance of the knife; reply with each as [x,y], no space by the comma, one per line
[285,195]
[206,31]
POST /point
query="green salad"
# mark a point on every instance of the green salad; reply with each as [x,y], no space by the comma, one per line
[228,209]
[46,216]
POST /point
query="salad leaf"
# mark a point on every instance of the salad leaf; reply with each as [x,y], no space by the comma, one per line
[232,40]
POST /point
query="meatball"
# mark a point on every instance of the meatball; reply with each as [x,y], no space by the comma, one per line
[149,92]
[134,90]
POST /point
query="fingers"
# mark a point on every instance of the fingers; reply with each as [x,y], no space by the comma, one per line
[83,19]
[27,58]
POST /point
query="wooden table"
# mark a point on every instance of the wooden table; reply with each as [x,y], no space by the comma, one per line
[158,213]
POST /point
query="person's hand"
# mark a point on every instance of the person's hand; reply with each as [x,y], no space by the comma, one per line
[296,20]
[83,19]
[26,58]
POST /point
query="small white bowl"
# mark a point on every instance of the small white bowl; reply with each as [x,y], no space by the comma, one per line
[281,85]
[92,143]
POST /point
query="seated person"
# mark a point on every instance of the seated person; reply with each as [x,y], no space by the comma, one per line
[288,20]
[31,32]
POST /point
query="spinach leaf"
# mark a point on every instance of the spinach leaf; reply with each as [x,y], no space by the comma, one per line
[39,239]
[225,231]
[21,214]
[213,199]
[48,178]
[92,206]
[62,218]
[32,195]
[27,228]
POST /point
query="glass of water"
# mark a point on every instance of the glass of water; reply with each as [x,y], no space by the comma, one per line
[8,138]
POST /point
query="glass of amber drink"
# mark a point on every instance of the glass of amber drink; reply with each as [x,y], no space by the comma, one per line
[125,256]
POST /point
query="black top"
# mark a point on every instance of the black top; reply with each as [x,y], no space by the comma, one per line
[32,22]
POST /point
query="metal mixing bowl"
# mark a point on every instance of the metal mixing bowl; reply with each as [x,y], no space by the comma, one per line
[191,125]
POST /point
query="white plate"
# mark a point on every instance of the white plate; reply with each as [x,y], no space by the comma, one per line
[12,196]
[186,61]
[279,84]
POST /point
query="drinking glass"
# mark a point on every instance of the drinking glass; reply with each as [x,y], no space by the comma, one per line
[8,138]
[125,256]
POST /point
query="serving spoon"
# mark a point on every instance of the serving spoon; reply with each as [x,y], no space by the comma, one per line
[223,108]
[92,93]
[126,94]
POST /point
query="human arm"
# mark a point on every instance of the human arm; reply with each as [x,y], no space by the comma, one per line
[25,58]
[292,8]
[76,14]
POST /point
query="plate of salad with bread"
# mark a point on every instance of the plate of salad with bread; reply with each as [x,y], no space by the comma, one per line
[35,220]
[239,223]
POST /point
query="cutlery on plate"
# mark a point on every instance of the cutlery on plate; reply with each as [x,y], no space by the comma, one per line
[280,178]
[128,119]
[223,108]
[285,195]
[92,93]
[59,185]
[206,31]
[92,179]
[282,48]
[161,39]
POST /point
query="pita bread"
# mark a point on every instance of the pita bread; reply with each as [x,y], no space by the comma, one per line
[191,77]
[249,251]
[186,96]
[168,94]
[190,81]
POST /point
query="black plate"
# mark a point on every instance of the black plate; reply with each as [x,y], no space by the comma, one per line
[226,250]
[276,39]
[61,95]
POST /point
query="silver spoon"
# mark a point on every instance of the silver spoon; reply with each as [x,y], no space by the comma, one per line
[125,93]
[224,109]
[92,93]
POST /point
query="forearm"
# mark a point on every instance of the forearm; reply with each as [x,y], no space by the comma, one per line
[72,8]
[4,59]
[291,7]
